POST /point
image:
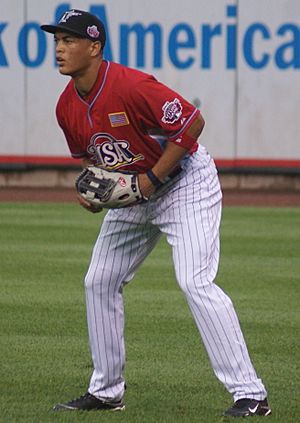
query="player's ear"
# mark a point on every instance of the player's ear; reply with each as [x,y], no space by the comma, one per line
[95,48]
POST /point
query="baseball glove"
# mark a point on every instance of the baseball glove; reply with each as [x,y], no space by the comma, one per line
[108,189]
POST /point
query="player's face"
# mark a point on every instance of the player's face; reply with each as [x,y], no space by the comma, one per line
[72,54]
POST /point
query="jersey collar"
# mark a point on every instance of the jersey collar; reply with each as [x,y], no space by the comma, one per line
[98,86]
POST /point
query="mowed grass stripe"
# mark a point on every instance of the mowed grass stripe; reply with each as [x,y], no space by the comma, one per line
[44,253]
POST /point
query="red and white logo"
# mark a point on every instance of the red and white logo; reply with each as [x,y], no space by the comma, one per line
[93,31]
[122,181]
[172,111]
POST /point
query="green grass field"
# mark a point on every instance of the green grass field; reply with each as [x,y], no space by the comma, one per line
[44,253]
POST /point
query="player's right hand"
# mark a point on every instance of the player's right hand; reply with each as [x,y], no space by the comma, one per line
[88,206]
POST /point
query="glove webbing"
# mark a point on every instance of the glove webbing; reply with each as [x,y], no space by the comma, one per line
[102,188]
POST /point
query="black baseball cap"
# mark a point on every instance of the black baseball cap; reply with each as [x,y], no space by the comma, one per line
[80,23]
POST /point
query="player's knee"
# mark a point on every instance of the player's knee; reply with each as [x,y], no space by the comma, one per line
[194,282]
[100,281]
[192,289]
[88,282]
[92,281]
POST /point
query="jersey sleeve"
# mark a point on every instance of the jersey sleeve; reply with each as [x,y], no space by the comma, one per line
[74,147]
[160,108]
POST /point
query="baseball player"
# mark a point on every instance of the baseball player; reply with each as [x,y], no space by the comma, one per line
[121,119]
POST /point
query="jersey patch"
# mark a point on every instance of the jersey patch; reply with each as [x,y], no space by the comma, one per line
[111,153]
[118,119]
[172,111]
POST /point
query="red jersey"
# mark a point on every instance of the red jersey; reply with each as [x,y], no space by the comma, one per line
[125,120]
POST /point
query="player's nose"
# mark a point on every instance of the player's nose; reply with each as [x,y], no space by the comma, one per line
[58,46]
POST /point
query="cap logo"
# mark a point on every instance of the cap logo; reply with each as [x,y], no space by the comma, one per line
[69,15]
[93,31]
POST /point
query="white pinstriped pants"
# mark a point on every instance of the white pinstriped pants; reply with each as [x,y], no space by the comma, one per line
[188,211]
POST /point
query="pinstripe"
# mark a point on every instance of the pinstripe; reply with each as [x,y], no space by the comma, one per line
[182,276]
[188,211]
[108,344]
[102,309]
[93,308]
[100,332]
[214,319]
[209,327]
[210,324]
[224,341]
[247,372]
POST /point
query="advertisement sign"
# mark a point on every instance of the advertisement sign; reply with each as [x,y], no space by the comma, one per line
[238,61]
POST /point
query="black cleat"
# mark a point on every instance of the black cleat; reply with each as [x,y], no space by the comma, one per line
[89,402]
[248,407]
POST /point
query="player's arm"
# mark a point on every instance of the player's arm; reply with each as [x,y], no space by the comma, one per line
[170,158]
[174,153]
